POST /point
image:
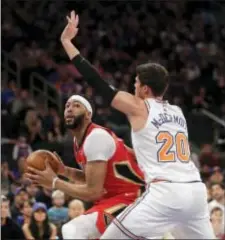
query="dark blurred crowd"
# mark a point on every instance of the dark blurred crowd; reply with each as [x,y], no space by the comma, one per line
[115,38]
[32,213]
[184,36]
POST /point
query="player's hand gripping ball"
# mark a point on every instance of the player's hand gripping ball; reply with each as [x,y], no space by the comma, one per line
[38,158]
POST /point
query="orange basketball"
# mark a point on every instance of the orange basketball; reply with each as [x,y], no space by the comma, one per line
[37,160]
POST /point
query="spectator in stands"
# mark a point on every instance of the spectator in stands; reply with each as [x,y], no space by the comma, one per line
[22,101]
[20,196]
[44,196]
[58,214]
[20,169]
[218,197]
[32,190]
[208,157]
[199,100]
[217,176]
[9,229]
[39,226]
[7,178]
[26,213]
[21,148]
[55,134]
[9,93]
[33,127]
[57,129]
[76,208]
[67,87]
[217,219]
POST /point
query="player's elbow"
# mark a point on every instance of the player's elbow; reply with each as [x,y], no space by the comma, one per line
[94,194]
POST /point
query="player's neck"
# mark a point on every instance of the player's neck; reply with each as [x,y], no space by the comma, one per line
[79,134]
[160,98]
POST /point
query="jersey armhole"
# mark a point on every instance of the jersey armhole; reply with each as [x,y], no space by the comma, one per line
[147,106]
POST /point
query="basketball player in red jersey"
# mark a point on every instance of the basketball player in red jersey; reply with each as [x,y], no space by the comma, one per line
[110,176]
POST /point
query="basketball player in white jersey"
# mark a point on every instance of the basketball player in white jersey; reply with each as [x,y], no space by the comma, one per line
[176,199]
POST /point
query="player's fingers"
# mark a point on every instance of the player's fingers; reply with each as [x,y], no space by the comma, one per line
[76,21]
[35,183]
[33,170]
[57,155]
[68,19]
[26,176]
[32,177]
[47,165]
[73,15]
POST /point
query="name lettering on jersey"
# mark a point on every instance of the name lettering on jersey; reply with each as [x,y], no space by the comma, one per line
[168,118]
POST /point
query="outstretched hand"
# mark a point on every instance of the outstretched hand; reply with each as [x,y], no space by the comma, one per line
[71,28]
[41,178]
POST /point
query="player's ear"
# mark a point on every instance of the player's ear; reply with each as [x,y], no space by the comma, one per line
[88,115]
[145,88]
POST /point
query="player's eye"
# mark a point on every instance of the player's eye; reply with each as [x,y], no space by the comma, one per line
[77,105]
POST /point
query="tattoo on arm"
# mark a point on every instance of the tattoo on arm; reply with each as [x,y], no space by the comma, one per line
[74,174]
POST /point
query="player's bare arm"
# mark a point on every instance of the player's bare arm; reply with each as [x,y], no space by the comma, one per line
[72,174]
[120,100]
[91,190]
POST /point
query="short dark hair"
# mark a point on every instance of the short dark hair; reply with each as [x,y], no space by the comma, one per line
[154,76]
[215,209]
[219,184]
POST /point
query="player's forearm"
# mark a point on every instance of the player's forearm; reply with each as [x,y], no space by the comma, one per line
[74,174]
[89,73]
[70,49]
[82,192]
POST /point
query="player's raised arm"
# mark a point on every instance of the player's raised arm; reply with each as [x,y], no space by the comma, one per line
[122,101]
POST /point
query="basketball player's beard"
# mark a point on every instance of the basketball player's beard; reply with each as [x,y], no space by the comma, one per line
[77,122]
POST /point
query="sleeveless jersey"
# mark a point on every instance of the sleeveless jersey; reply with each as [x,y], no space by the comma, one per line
[162,147]
[123,174]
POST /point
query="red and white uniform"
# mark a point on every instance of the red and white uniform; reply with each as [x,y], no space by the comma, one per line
[123,179]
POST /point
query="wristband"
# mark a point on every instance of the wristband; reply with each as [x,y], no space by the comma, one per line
[54,182]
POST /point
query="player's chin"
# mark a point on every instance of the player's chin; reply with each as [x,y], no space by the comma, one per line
[70,125]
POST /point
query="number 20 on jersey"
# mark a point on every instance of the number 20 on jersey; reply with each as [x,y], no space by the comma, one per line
[168,141]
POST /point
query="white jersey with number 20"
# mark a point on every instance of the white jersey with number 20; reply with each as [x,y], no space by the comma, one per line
[162,147]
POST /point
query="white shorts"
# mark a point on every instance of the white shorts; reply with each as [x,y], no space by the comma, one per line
[178,208]
[82,227]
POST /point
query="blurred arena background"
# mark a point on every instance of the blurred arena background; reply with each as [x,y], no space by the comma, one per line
[187,37]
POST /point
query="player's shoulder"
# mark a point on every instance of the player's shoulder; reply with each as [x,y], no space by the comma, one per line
[99,144]
[98,132]
[95,134]
[100,137]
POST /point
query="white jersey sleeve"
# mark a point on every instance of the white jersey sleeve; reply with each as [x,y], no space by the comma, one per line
[99,145]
